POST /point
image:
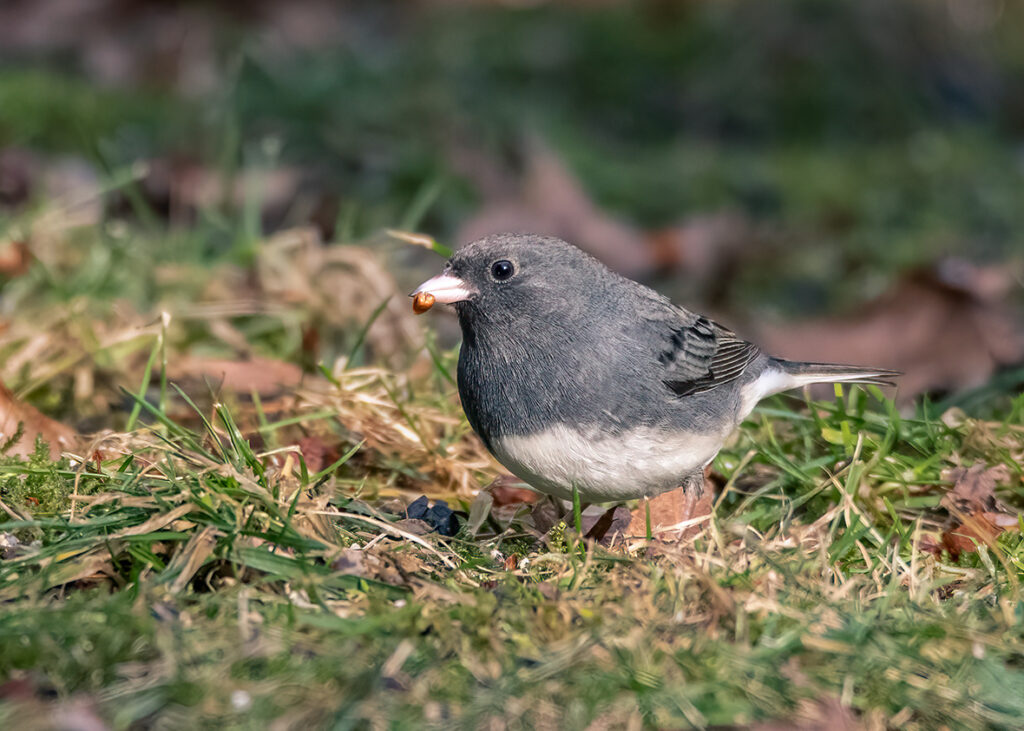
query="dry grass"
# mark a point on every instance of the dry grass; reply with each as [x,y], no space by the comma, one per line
[232,561]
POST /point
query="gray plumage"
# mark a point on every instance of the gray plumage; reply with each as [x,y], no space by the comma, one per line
[574,375]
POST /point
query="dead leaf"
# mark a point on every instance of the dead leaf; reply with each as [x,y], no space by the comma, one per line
[79,714]
[977,516]
[317,453]
[549,199]
[478,512]
[503,499]
[34,424]
[180,188]
[189,560]
[543,517]
[398,568]
[974,488]
[351,561]
[965,537]
[928,544]
[18,688]
[15,258]
[547,590]
[605,527]
[415,526]
[408,564]
[510,490]
[683,505]
[265,376]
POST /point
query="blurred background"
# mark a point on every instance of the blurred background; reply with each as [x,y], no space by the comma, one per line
[838,180]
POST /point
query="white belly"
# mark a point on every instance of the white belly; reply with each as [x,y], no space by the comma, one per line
[606,468]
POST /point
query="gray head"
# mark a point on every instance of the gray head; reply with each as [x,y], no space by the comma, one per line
[518,280]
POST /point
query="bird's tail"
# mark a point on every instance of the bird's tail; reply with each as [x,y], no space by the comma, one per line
[794,374]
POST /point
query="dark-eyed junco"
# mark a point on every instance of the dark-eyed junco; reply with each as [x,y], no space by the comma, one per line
[574,376]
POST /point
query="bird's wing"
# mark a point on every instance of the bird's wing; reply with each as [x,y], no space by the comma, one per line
[699,355]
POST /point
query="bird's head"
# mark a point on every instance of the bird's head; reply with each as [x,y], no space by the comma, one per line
[518,279]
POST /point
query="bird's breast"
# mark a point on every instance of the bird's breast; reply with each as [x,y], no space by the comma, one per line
[640,462]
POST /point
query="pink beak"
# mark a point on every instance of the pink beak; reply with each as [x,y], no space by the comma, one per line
[446,289]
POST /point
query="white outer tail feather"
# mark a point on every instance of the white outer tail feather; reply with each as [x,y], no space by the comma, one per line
[784,375]
[797,380]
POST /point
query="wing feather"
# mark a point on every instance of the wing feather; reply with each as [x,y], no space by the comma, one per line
[701,355]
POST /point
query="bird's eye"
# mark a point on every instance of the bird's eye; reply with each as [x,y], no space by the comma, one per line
[502,270]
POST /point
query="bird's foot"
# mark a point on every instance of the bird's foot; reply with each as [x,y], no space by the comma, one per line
[675,515]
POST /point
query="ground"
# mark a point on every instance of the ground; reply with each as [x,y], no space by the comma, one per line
[227,406]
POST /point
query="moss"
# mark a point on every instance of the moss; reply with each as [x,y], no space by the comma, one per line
[36,486]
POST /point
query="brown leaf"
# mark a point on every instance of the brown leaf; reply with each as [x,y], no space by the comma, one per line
[265,376]
[180,187]
[18,688]
[965,537]
[977,516]
[928,544]
[974,488]
[549,199]
[397,568]
[548,590]
[709,248]
[189,560]
[35,424]
[671,508]
[543,517]
[610,523]
[1006,521]
[509,490]
[79,714]
[317,453]
[408,564]
[15,258]
[415,526]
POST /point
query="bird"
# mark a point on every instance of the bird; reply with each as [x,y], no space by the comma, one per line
[583,382]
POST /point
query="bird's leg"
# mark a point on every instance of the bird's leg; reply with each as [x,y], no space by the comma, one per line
[674,514]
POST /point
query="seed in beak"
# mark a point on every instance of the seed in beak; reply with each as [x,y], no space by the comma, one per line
[422,302]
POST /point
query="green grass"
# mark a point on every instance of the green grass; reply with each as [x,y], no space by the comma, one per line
[193,584]
[59,113]
[187,568]
[191,572]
